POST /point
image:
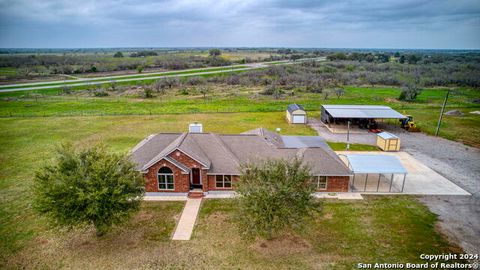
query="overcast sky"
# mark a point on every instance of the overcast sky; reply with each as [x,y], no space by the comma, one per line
[252,23]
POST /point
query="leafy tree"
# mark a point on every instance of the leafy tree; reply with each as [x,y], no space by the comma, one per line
[402,59]
[274,195]
[88,187]
[384,58]
[295,57]
[215,52]
[369,58]
[139,68]
[118,55]
[413,59]
[410,92]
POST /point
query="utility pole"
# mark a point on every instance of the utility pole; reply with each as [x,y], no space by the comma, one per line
[348,135]
[441,113]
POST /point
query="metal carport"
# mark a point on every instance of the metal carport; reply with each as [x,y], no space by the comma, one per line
[381,165]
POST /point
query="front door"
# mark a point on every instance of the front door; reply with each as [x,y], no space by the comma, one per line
[196,182]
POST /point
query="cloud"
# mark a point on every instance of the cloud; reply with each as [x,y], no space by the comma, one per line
[329,23]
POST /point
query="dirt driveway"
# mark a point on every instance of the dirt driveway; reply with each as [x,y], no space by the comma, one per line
[459,215]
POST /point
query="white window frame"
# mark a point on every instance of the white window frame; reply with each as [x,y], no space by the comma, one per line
[223,181]
[162,178]
[317,182]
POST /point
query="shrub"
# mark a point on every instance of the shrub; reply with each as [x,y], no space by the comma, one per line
[100,93]
[88,187]
[148,92]
[274,195]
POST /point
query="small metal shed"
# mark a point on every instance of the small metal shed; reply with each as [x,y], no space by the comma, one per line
[296,114]
[388,141]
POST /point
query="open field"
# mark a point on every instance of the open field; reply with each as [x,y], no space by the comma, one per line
[383,230]
[226,98]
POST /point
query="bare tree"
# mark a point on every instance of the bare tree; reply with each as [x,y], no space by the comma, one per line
[339,92]
[204,91]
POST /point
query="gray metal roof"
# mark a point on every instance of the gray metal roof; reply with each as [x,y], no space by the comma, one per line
[386,164]
[387,135]
[225,152]
[362,111]
[303,141]
[294,107]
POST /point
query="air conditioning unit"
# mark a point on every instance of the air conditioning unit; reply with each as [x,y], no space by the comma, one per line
[195,128]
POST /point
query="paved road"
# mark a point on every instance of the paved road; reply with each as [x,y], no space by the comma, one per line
[137,77]
[89,82]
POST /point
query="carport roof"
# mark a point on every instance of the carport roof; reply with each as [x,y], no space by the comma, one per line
[362,111]
[359,163]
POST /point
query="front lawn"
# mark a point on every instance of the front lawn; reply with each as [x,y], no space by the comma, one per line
[378,229]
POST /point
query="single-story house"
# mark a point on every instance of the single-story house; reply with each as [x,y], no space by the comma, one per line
[182,162]
[296,114]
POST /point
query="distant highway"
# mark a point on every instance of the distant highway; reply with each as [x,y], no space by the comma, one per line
[142,77]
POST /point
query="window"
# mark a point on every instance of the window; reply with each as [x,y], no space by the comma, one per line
[320,182]
[165,179]
[223,181]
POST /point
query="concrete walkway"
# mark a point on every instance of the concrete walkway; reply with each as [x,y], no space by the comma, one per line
[187,220]
[338,195]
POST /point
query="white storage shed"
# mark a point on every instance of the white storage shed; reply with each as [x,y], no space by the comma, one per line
[296,114]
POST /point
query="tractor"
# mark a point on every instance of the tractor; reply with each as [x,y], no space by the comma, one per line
[408,124]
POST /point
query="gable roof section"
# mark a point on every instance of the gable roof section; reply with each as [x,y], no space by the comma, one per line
[185,144]
[176,163]
[191,147]
[150,147]
[293,107]
[223,161]
[324,163]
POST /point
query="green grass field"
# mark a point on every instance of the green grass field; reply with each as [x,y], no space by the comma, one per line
[239,99]
[377,229]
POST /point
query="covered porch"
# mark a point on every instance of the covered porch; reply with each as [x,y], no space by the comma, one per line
[376,173]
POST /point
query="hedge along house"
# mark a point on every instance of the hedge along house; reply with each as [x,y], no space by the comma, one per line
[296,114]
[186,163]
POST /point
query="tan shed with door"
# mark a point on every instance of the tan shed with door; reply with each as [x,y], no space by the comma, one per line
[388,141]
[296,114]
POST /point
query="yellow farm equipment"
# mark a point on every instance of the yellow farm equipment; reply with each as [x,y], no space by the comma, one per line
[408,124]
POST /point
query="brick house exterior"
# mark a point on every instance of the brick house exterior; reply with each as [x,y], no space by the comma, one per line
[182,162]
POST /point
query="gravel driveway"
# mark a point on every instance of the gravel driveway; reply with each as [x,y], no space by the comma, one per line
[459,215]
